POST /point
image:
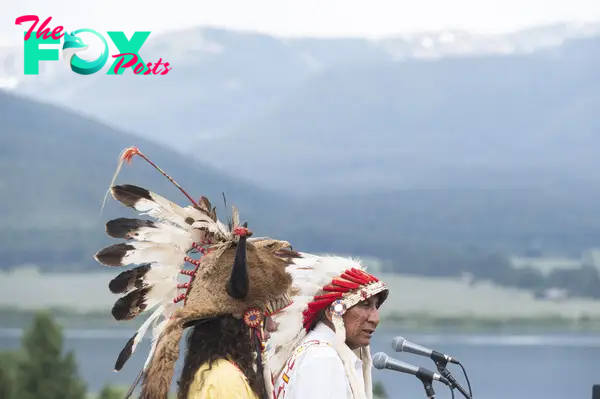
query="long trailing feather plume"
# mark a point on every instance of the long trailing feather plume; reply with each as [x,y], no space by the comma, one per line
[122,158]
[126,156]
[160,248]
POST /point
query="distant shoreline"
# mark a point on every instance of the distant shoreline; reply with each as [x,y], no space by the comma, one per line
[70,319]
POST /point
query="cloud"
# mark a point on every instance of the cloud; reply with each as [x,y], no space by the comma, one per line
[373,18]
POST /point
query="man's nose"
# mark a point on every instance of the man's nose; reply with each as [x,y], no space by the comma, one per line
[373,316]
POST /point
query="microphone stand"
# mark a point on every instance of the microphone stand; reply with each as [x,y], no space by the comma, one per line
[427,384]
[441,364]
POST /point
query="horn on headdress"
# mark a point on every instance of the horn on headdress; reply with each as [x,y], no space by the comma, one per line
[237,286]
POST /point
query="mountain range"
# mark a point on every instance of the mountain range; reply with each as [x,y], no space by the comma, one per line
[57,167]
[339,145]
[431,110]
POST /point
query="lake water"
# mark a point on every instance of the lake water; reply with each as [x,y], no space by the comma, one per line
[548,366]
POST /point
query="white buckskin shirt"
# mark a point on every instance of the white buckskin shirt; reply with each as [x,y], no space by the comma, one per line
[315,370]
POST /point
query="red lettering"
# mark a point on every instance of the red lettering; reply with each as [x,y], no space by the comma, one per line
[43,30]
[167,69]
[129,64]
[56,31]
[28,18]
[155,69]
[139,68]
[148,71]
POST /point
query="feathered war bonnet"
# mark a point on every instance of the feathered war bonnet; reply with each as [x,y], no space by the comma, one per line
[234,275]
[321,282]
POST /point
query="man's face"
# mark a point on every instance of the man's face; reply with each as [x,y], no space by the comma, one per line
[360,321]
[268,327]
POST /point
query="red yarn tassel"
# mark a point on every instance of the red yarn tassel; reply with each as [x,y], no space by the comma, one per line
[199,248]
[367,276]
[179,298]
[319,304]
[331,296]
[353,272]
[333,288]
[192,261]
[346,284]
[354,279]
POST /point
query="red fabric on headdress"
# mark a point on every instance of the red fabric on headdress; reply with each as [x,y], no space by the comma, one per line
[351,279]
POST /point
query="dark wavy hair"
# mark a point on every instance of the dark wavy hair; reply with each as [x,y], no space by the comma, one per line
[220,338]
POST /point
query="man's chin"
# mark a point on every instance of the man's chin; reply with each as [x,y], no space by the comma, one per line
[364,341]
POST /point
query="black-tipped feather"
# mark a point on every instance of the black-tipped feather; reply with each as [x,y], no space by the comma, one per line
[113,255]
[125,353]
[129,279]
[129,195]
[130,305]
[126,227]
[206,207]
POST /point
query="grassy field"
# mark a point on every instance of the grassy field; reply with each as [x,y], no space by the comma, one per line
[546,265]
[428,298]
[446,297]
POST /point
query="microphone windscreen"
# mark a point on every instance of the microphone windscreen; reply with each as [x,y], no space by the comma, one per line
[379,360]
[397,343]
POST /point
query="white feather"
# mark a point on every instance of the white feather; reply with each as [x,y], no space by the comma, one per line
[198,215]
[141,332]
[149,252]
[223,227]
[218,229]
[235,217]
[157,330]
[161,294]
[163,290]
[163,210]
[310,273]
[162,272]
[164,233]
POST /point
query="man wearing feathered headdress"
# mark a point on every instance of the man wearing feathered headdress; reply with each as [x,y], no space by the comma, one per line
[236,284]
[322,346]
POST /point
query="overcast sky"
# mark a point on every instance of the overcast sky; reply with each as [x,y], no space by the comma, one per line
[371,18]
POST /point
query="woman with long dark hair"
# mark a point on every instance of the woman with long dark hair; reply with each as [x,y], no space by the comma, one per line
[220,357]
[232,289]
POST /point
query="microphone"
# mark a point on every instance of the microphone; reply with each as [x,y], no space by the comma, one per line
[402,345]
[383,361]
[399,344]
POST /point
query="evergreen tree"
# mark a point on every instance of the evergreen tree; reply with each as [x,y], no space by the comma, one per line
[111,392]
[45,372]
[7,375]
[379,390]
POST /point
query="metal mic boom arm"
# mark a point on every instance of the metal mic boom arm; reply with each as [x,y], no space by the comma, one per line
[441,366]
[383,361]
[441,360]
[427,384]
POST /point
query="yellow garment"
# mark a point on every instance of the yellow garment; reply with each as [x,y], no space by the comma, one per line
[222,381]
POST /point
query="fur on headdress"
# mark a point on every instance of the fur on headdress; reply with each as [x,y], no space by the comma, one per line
[320,282]
[234,275]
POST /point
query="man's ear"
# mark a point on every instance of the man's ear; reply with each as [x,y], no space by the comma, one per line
[328,313]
